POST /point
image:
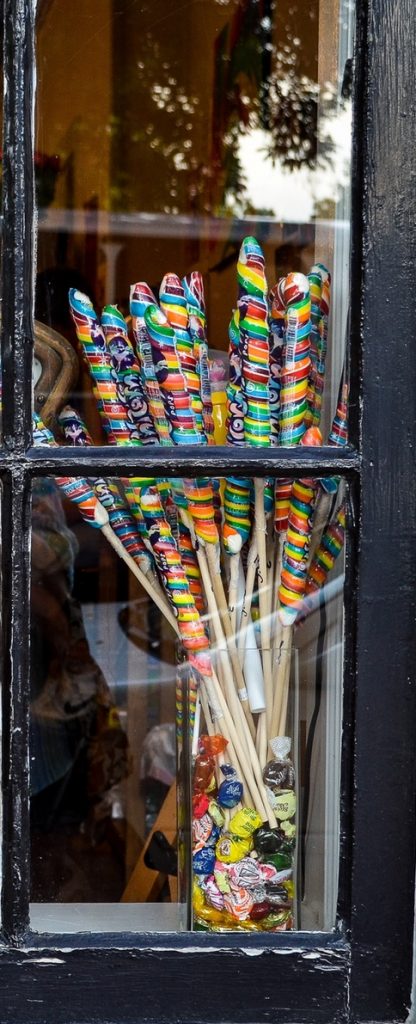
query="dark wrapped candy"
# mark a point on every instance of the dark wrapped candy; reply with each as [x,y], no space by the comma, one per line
[260,910]
[204,861]
[228,771]
[279,775]
[281,860]
[268,840]
[276,894]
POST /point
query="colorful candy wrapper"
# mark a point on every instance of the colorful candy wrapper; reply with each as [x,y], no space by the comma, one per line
[127,371]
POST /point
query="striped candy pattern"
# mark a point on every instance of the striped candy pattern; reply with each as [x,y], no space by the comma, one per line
[76,489]
[174,579]
[254,335]
[128,376]
[296,549]
[193,287]
[141,296]
[327,552]
[173,305]
[90,335]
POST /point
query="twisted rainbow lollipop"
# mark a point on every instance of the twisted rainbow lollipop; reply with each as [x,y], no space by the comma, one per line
[322,340]
[327,552]
[293,294]
[254,335]
[170,378]
[113,412]
[191,567]
[277,342]
[121,520]
[128,375]
[193,287]
[296,548]
[338,436]
[293,576]
[141,296]
[77,489]
[173,305]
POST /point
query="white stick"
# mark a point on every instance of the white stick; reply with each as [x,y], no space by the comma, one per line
[231,683]
[233,590]
[260,520]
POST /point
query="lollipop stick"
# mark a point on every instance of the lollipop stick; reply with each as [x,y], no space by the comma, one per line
[252,565]
[233,590]
[222,649]
[282,681]
[263,598]
[156,596]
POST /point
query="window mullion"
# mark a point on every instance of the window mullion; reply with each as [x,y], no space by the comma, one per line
[186,460]
[18,213]
[15,701]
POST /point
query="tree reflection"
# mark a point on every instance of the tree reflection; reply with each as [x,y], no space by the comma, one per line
[262,65]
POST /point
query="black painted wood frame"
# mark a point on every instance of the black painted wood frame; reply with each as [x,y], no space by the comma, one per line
[363,971]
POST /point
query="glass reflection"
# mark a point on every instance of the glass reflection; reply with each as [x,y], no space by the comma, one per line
[163,679]
[158,162]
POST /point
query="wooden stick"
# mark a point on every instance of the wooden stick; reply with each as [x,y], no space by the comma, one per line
[260,526]
[207,559]
[220,758]
[252,564]
[282,682]
[223,717]
[233,590]
[144,581]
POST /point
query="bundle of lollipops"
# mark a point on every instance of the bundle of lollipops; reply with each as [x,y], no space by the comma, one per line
[229,564]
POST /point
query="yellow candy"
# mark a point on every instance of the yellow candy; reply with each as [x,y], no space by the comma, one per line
[219,412]
[230,849]
[285,805]
[245,822]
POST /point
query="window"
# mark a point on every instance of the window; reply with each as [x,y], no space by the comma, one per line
[324,970]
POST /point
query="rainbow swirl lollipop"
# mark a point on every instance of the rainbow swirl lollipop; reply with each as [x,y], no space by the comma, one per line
[296,549]
[170,378]
[320,288]
[173,305]
[235,405]
[128,376]
[295,371]
[193,287]
[277,342]
[292,293]
[237,492]
[76,489]
[121,520]
[327,552]
[141,297]
[174,578]
[339,433]
[254,335]
[191,567]
[90,335]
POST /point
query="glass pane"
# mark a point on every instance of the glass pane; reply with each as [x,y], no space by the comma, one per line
[209,199]
[158,164]
[186,704]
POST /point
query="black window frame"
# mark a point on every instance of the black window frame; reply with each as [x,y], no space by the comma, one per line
[361,972]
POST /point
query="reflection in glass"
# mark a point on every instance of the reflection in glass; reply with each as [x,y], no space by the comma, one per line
[165,669]
[159,162]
